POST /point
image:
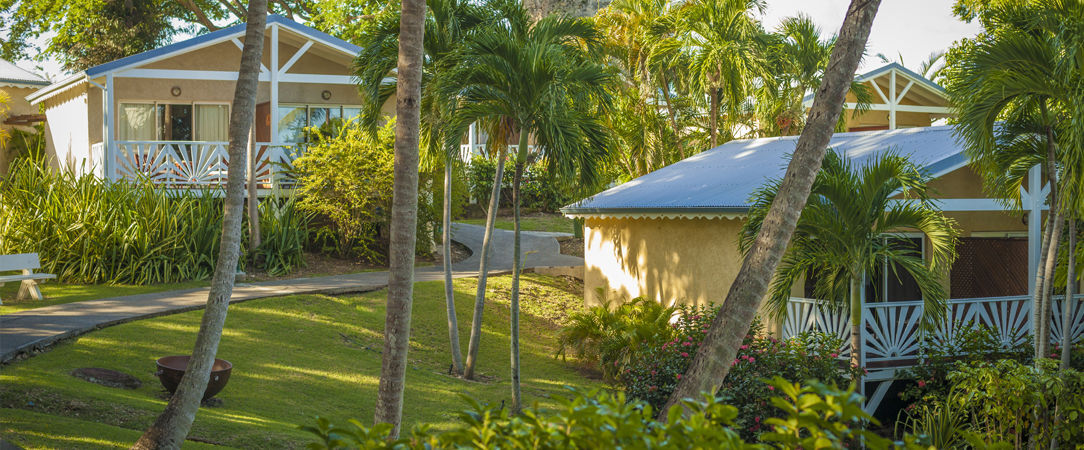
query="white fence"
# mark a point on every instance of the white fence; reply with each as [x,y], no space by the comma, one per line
[891,331]
[184,164]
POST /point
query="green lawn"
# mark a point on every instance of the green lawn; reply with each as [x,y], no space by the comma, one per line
[550,222]
[58,293]
[295,358]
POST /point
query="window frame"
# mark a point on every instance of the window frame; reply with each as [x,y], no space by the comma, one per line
[884,264]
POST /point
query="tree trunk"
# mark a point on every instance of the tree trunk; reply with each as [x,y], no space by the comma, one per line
[1068,305]
[856,326]
[1044,278]
[517,267]
[483,270]
[404,217]
[714,117]
[172,426]
[253,198]
[449,292]
[712,361]
[1042,339]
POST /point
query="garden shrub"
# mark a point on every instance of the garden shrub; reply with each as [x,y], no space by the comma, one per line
[87,230]
[971,343]
[609,336]
[284,233]
[815,417]
[540,191]
[655,373]
[1021,405]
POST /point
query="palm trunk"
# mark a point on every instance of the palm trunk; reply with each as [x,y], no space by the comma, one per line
[1041,307]
[1068,305]
[449,292]
[517,267]
[856,326]
[714,117]
[483,270]
[1041,282]
[172,426]
[404,218]
[712,361]
[1042,339]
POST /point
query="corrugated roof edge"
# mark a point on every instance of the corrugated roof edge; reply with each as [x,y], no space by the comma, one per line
[26,82]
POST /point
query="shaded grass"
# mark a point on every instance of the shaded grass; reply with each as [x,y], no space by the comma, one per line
[301,356]
[60,293]
[547,222]
[32,430]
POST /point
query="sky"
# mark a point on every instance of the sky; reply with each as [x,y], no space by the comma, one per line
[911,28]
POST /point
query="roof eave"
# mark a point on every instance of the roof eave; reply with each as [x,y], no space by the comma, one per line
[655,212]
[44,93]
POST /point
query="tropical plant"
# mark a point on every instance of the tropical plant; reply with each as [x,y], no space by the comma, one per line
[285,228]
[404,214]
[1017,88]
[4,108]
[542,78]
[346,181]
[941,424]
[709,368]
[721,41]
[848,231]
[816,416]
[171,427]
[609,336]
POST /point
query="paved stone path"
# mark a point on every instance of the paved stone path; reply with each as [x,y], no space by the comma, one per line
[40,327]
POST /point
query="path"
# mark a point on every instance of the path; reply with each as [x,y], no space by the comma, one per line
[40,327]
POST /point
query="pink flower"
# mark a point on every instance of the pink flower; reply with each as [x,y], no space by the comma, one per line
[752,360]
[771,388]
[684,355]
[745,347]
[679,376]
[734,362]
[756,419]
[834,355]
[921,383]
[653,372]
[686,344]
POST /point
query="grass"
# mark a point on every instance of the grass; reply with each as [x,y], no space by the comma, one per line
[295,358]
[37,430]
[60,293]
[547,222]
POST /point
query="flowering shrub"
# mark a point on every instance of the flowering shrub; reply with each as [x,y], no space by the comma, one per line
[969,345]
[608,336]
[654,375]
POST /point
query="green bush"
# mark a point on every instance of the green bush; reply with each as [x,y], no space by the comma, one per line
[815,417]
[609,336]
[1021,405]
[540,191]
[87,230]
[971,343]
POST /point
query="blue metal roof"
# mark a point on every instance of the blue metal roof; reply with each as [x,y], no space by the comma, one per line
[235,30]
[722,179]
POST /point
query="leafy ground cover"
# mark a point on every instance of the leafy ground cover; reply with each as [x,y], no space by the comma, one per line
[533,222]
[294,357]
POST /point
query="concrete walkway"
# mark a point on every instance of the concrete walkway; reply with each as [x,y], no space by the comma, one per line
[38,328]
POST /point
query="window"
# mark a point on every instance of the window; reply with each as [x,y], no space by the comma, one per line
[893,283]
[293,119]
[173,122]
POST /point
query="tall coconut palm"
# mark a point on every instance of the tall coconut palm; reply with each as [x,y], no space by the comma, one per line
[1018,92]
[722,39]
[847,233]
[542,79]
[446,25]
[171,427]
[404,216]
[709,367]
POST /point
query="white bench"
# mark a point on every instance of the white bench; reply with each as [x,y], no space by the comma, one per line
[26,263]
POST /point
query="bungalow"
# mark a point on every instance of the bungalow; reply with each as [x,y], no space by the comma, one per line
[672,235]
[15,84]
[164,113]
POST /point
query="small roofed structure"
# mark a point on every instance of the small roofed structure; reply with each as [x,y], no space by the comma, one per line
[16,83]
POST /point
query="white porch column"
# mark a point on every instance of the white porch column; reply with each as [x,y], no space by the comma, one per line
[109,150]
[1034,204]
[274,106]
[472,138]
[892,100]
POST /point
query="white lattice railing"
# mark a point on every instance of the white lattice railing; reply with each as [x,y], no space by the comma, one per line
[183,164]
[891,330]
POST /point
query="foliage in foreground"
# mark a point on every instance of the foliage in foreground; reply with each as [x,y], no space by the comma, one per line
[815,416]
[87,230]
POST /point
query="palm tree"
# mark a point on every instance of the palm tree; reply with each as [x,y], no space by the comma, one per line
[540,78]
[797,56]
[722,39]
[708,368]
[847,232]
[171,427]
[404,216]
[1018,89]
[446,25]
